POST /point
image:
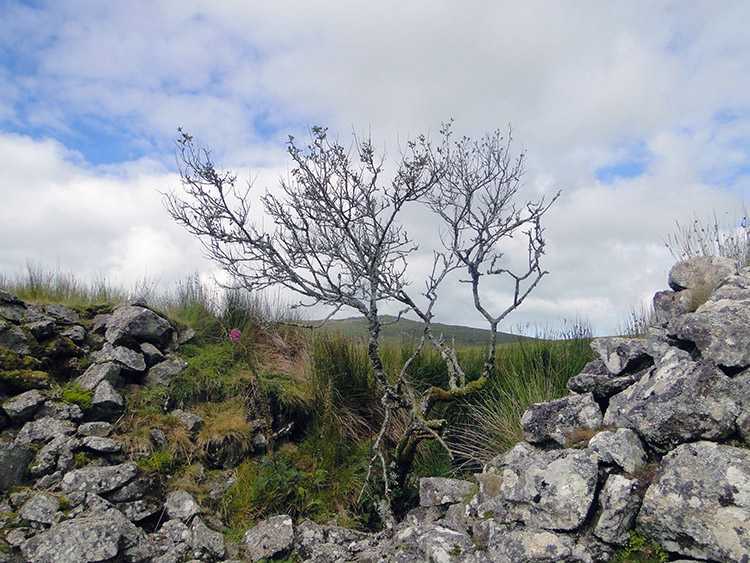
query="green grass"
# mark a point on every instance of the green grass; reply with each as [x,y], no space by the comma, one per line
[321,382]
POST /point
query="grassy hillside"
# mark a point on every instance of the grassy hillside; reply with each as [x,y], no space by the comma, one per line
[406,331]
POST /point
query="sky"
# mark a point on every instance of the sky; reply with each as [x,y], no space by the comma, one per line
[637,110]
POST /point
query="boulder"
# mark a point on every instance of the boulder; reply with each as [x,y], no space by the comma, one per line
[718,328]
[679,401]
[106,404]
[163,372]
[14,464]
[622,448]
[81,540]
[427,542]
[21,408]
[699,503]
[99,480]
[269,538]
[621,354]
[13,338]
[530,544]
[96,373]
[553,421]
[700,271]
[191,421]
[206,543]
[181,505]
[139,324]
[128,360]
[436,491]
[619,503]
[552,489]
[41,508]
[595,378]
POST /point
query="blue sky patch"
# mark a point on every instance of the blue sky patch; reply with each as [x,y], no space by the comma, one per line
[630,161]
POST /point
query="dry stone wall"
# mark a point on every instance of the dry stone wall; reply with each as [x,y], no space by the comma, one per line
[653,437]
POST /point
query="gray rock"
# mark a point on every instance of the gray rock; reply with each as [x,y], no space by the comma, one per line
[128,360]
[679,401]
[428,542]
[11,307]
[510,546]
[206,543]
[719,327]
[106,404]
[189,420]
[63,314]
[595,378]
[181,505]
[622,448]
[99,479]
[621,354]
[57,454]
[546,489]
[669,305]
[270,537]
[14,464]
[101,444]
[436,491]
[701,270]
[619,503]
[21,408]
[13,338]
[43,430]
[553,421]
[41,508]
[163,372]
[699,504]
[59,411]
[96,428]
[151,353]
[158,437]
[133,490]
[41,327]
[137,323]
[81,540]
[96,373]
[170,543]
[138,510]
[76,333]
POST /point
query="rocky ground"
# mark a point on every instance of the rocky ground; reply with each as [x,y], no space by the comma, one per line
[653,437]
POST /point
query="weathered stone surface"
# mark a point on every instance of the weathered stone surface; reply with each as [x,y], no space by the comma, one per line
[679,401]
[719,327]
[41,327]
[96,373]
[11,307]
[128,360]
[546,489]
[622,448]
[553,421]
[619,503]
[701,270]
[206,543]
[163,372]
[22,407]
[59,411]
[269,537]
[41,508]
[81,540]
[428,542]
[171,542]
[133,490]
[57,454]
[14,464]
[532,545]
[63,314]
[106,404]
[151,353]
[44,430]
[699,504]
[76,333]
[595,378]
[99,479]
[95,428]
[436,491]
[101,444]
[138,323]
[181,505]
[13,338]
[189,420]
[620,354]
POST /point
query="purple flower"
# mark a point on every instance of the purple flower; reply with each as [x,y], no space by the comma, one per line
[234,335]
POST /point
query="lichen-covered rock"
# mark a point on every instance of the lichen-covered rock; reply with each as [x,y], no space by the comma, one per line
[181,505]
[553,421]
[107,403]
[545,489]
[719,327]
[22,407]
[96,373]
[621,354]
[99,479]
[699,504]
[101,444]
[13,338]
[679,401]
[622,448]
[43,430]
[206,543]
[63,315]
[428,542]
[139,324]
[269,537]
[163,372]
[191,421]
[128,360]
[534,545]
[619,503]
[41,508]
[595,378]
[700,270]
[81,540]
[436,491]
[14,464]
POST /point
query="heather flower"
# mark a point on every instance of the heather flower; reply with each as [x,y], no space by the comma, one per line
[234,335]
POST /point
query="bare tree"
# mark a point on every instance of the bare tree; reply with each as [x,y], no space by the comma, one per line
[338,239]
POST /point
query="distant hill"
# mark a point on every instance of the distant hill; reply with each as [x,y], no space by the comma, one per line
[405,330]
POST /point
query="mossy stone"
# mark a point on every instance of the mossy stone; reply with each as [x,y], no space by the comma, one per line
[26,379]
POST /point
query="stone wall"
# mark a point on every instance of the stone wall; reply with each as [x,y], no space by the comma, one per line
[653,437]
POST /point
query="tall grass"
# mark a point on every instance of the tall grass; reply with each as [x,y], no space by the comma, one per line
[712,238]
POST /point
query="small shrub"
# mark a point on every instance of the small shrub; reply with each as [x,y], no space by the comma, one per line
[640,549]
